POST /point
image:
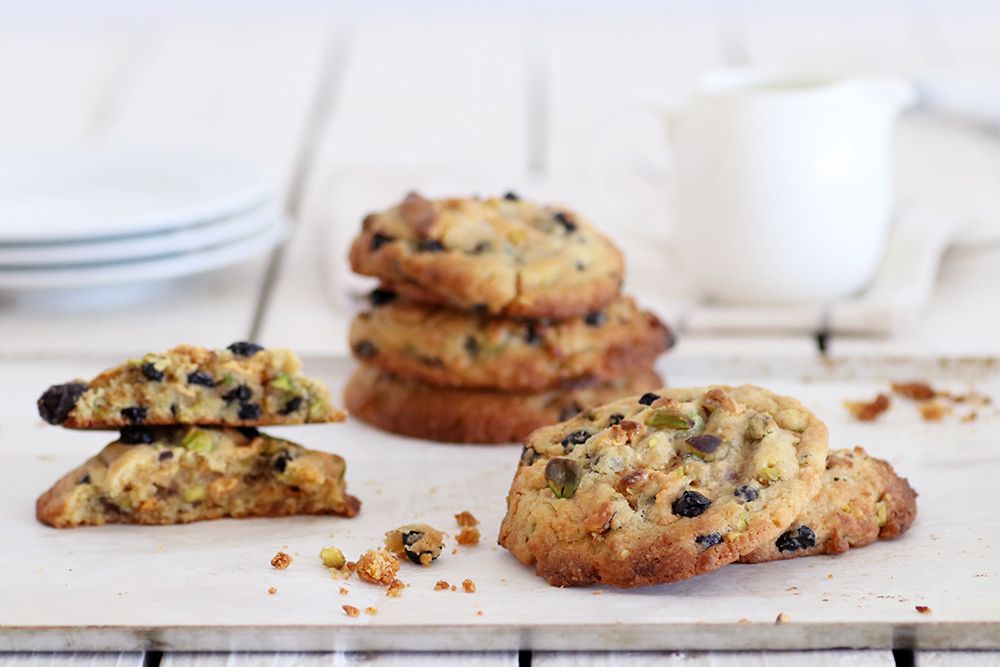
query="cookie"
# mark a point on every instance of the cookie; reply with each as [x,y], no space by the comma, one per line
[501,256]
[419,542]
[242,385]
[862,500]
[450,348]
[448,414]
[664,486]
[184,474]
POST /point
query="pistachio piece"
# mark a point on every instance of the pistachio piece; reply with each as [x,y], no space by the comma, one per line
[563,476]
[881,513]
[193,494]
[705,443]
[332,557]
[665,419]
[197,440]
[283,381]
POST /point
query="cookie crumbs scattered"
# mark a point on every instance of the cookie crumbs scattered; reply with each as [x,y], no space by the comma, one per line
[782,618]
[743,620]
[923,609]
[441,585]
[868,411]
[281,560]
[371,611]
[272,590]
[916,391]
[351,611]
[454,551]
[343,591]
[453,588]
[469,586]
[933,411]
[465,519]
[468,537]
[395,588]
[479,613]
[377,567]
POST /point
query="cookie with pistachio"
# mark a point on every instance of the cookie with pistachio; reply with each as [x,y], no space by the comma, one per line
[451,414]
[445,347]
[663,486]
[185,473]
[862,500]
[242,385]
[498,256]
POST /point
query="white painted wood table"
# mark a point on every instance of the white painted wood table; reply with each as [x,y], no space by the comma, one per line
[346,107]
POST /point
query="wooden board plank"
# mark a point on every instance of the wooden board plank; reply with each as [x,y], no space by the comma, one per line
[956,658]
[486,659]
[866,597]
[706,659]
[71,659]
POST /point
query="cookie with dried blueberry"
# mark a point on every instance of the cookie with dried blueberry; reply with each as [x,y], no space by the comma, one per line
[862,500]
[664,486]
[185,473]
[451,414]
[500,256]
[242,385]
[450,348]
[420,543]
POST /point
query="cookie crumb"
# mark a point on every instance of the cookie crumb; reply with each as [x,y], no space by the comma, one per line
[343,591]
[395,588]
[351,611]
[933,411]
[971,417]
[453,588]
[870,410]
[923,609]
[371,611]
[469,586]
[468,537]
[917,391]
[419,543]
[441,585]
[743,620]
[377,567]
[782,618]
[281,561]
[479,613]
[272,590]
[466,520]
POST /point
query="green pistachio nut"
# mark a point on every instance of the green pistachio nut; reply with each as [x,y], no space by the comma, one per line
[563,476]
[197,440]
[332,557]
[283,381]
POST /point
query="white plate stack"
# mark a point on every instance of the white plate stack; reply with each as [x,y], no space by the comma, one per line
[72,219]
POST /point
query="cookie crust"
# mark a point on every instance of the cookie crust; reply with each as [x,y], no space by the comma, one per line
[449,348]
[656,494]
[499,256]
[414,409]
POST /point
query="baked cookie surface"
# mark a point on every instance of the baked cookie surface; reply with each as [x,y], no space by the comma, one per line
[500,256]
[415,409]
[661,487]
[445,347]
[242,385]
[862,500]
[184,474]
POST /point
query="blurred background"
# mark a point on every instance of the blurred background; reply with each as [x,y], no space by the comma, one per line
[340,108]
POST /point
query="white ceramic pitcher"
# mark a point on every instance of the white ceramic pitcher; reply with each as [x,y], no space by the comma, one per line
[780,187]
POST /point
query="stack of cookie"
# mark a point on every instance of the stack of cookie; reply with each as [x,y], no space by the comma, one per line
[494,317]
[679,482]
[188,447]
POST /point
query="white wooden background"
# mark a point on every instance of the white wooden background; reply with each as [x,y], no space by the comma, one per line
[347,105]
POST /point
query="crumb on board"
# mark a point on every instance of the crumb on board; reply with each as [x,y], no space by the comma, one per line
[351,566]
[743,620]
[479,613]
[377,567]
[465,519]
[916,391]
[351,611]
[454,588]
[867,411]
[272,590]
[281,560]
[933,411]
[923,609]
[441,585]
[344,591]
[395,588]
[371,611]
[970,417]
[469,586]
[782,618]
[468,537]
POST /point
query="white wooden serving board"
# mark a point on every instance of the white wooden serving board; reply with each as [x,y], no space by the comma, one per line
[204,586]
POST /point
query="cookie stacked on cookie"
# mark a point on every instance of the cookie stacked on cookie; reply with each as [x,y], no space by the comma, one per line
[188,447]
[494,317]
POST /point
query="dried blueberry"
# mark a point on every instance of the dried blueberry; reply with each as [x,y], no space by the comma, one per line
[280,462]
[430,245]
[594,319]
[249,411]
[150,372]
[248,432]
[705,443]
[792,540]
[531,336]
[379,239]
[471,346]
[709,540]
[365,349]
[575,438]
[242,393]
[564,220]
[381,296]
[580,266]
[528,456]
[410,538]
[511,196]
[481,309]
[85,479]
[615,419]
[135,435]
[482,247]
[569,411]
[648,398]
[59,400]
[200,378]
[244,349]
[135,414]
[690,504]
[746,494]
[291,406]
[165,455]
